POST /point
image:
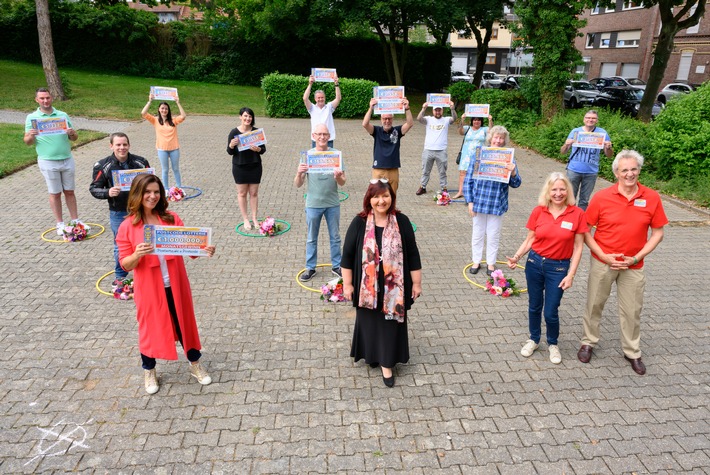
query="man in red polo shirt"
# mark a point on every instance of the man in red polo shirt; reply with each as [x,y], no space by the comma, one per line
[622,214]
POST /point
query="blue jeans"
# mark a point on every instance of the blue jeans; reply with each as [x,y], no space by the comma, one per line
[174,156]
[313,220]
[544,294]
[584,184]
[115,219]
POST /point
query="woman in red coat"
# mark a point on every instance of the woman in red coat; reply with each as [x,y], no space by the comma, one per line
[161,289]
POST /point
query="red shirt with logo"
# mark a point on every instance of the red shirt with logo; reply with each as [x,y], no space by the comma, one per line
[554,238]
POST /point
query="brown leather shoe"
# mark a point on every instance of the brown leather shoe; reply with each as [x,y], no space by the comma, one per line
[637,365]
[585,353]
[420,191]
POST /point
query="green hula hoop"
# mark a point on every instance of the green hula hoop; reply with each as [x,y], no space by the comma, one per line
[343,196]
[258,235]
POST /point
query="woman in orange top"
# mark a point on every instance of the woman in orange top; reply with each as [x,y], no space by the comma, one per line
[166,139]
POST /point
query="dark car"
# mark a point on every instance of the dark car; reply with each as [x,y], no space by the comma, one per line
[601,83]
[626,99]
[579,93]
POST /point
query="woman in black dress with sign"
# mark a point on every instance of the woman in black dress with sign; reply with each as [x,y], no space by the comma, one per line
[382,276]
[246,167]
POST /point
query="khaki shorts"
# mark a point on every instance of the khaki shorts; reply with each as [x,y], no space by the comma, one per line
[59,174]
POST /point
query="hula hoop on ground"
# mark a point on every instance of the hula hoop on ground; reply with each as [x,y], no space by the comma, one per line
[465,269]
[257,235]
[189,197]
[343,196]
[414,226]
[88,236]
[98,283]
[304,270]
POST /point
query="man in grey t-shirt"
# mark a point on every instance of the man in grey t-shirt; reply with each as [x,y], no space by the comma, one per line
[322,200]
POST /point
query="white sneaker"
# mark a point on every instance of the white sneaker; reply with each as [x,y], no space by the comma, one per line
[200,373]
[555,355]
[529,348]
[60,229]
[151,381]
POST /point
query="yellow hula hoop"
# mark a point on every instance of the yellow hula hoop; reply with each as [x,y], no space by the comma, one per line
[304,270]
[88,236]
[98,283]
[484,262]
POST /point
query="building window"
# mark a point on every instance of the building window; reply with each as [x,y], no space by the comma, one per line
[628,39]
[494,34]
[605,40]
[632,5]
[686,59]
[590,39]
[491,58]
[595,10]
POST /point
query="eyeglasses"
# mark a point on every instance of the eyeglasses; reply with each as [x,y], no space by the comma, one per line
[381,180]
[325,134]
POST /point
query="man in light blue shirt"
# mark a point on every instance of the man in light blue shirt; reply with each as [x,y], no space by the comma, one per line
[53,155]
[583,166]
[322,201]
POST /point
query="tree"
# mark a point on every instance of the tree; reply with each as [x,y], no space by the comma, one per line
[550,27]
[479,17]
[443,18]
[46,50]
[670,26]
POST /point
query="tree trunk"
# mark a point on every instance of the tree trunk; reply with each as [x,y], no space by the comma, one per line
[385,52]
[46,50]
[481,49]
[551,104]
[662,54]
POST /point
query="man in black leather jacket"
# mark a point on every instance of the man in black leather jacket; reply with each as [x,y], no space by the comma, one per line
[102,186]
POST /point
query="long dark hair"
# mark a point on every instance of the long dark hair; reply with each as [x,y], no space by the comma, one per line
[168,118]
[251,113]
[135,199]
[373,190]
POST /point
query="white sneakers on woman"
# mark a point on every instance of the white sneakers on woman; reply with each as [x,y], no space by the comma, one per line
[530,347]
[555,355]
[151,381]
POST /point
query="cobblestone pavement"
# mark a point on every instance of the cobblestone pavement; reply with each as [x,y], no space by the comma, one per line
[286,397]
[101,125]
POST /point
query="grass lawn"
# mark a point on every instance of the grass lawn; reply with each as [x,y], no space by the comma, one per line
[15,155]
[109,96]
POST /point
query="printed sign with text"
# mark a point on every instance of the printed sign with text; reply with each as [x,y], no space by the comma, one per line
[164,93]
[325,162]
[590,140]
[256,137]
[438,100]
[477,110]
[124,178]
[389,99]
[492,164]
[177,240]
[324,74]
[50,125]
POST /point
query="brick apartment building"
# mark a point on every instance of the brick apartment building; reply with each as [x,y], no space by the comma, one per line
[620,41]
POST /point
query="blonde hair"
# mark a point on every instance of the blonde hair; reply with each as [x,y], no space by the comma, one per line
[497,130]
[544,198]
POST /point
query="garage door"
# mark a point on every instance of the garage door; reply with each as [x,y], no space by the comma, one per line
[608,69]
[459,63]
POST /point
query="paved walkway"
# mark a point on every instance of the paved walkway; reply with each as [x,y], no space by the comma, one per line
[286,397]
[101,125]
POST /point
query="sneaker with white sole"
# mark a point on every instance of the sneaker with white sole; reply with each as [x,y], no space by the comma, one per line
[200,373]
[555,355]
[151,381]
[529,348]
[60,229]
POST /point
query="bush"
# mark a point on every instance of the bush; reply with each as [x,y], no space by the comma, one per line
[284,95]
[461,93]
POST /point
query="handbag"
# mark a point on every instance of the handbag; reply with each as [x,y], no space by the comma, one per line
[458,157]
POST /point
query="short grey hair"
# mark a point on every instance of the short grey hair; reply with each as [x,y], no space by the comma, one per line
[319,91]
[626,154]
[498,130]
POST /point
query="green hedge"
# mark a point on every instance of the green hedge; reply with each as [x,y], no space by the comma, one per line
[284,95]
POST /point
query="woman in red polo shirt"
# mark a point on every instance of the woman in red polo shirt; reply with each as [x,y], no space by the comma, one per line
[555,240]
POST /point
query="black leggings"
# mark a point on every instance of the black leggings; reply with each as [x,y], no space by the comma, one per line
[192,354]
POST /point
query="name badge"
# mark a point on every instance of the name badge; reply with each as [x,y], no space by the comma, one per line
[640,203]
[566,225]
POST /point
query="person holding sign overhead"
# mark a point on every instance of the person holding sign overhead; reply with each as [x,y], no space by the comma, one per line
[487,203]
[435,143]
[322,201]
[50,131]
[386,162]
[166,139]
[322,112]
[162,292]
[103,187]
[583,166]
[246,167]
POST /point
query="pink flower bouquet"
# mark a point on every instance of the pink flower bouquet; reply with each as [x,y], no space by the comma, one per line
[333,291]
[498,285]
[175,194]
[269,227]
[442,198]
[75,231]
[122,289]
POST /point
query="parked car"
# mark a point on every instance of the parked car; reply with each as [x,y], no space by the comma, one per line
[490,80]
[601,83]
[511,82]
[460,76]
[579,93]
[635,82]
[626,99]
[673,89]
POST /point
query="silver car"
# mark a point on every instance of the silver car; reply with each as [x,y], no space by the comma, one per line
[674,89]
[490,80]
[579,94]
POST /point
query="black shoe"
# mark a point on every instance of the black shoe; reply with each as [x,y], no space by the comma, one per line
[308,275]
[489,272]
[474,270]
[389,382]
[337,271]
[421,191]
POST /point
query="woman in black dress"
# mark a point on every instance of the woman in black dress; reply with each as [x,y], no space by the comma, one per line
[246,167]
[382,276]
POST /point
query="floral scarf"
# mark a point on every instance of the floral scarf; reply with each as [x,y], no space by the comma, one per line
[392,259]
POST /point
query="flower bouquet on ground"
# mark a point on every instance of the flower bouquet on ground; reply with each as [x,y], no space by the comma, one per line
[122,289]
[75,231]
[269,227]
[442,198]
[498,285]
[175,194]
[333,291]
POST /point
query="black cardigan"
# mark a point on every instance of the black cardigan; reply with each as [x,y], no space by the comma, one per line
[352,254]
